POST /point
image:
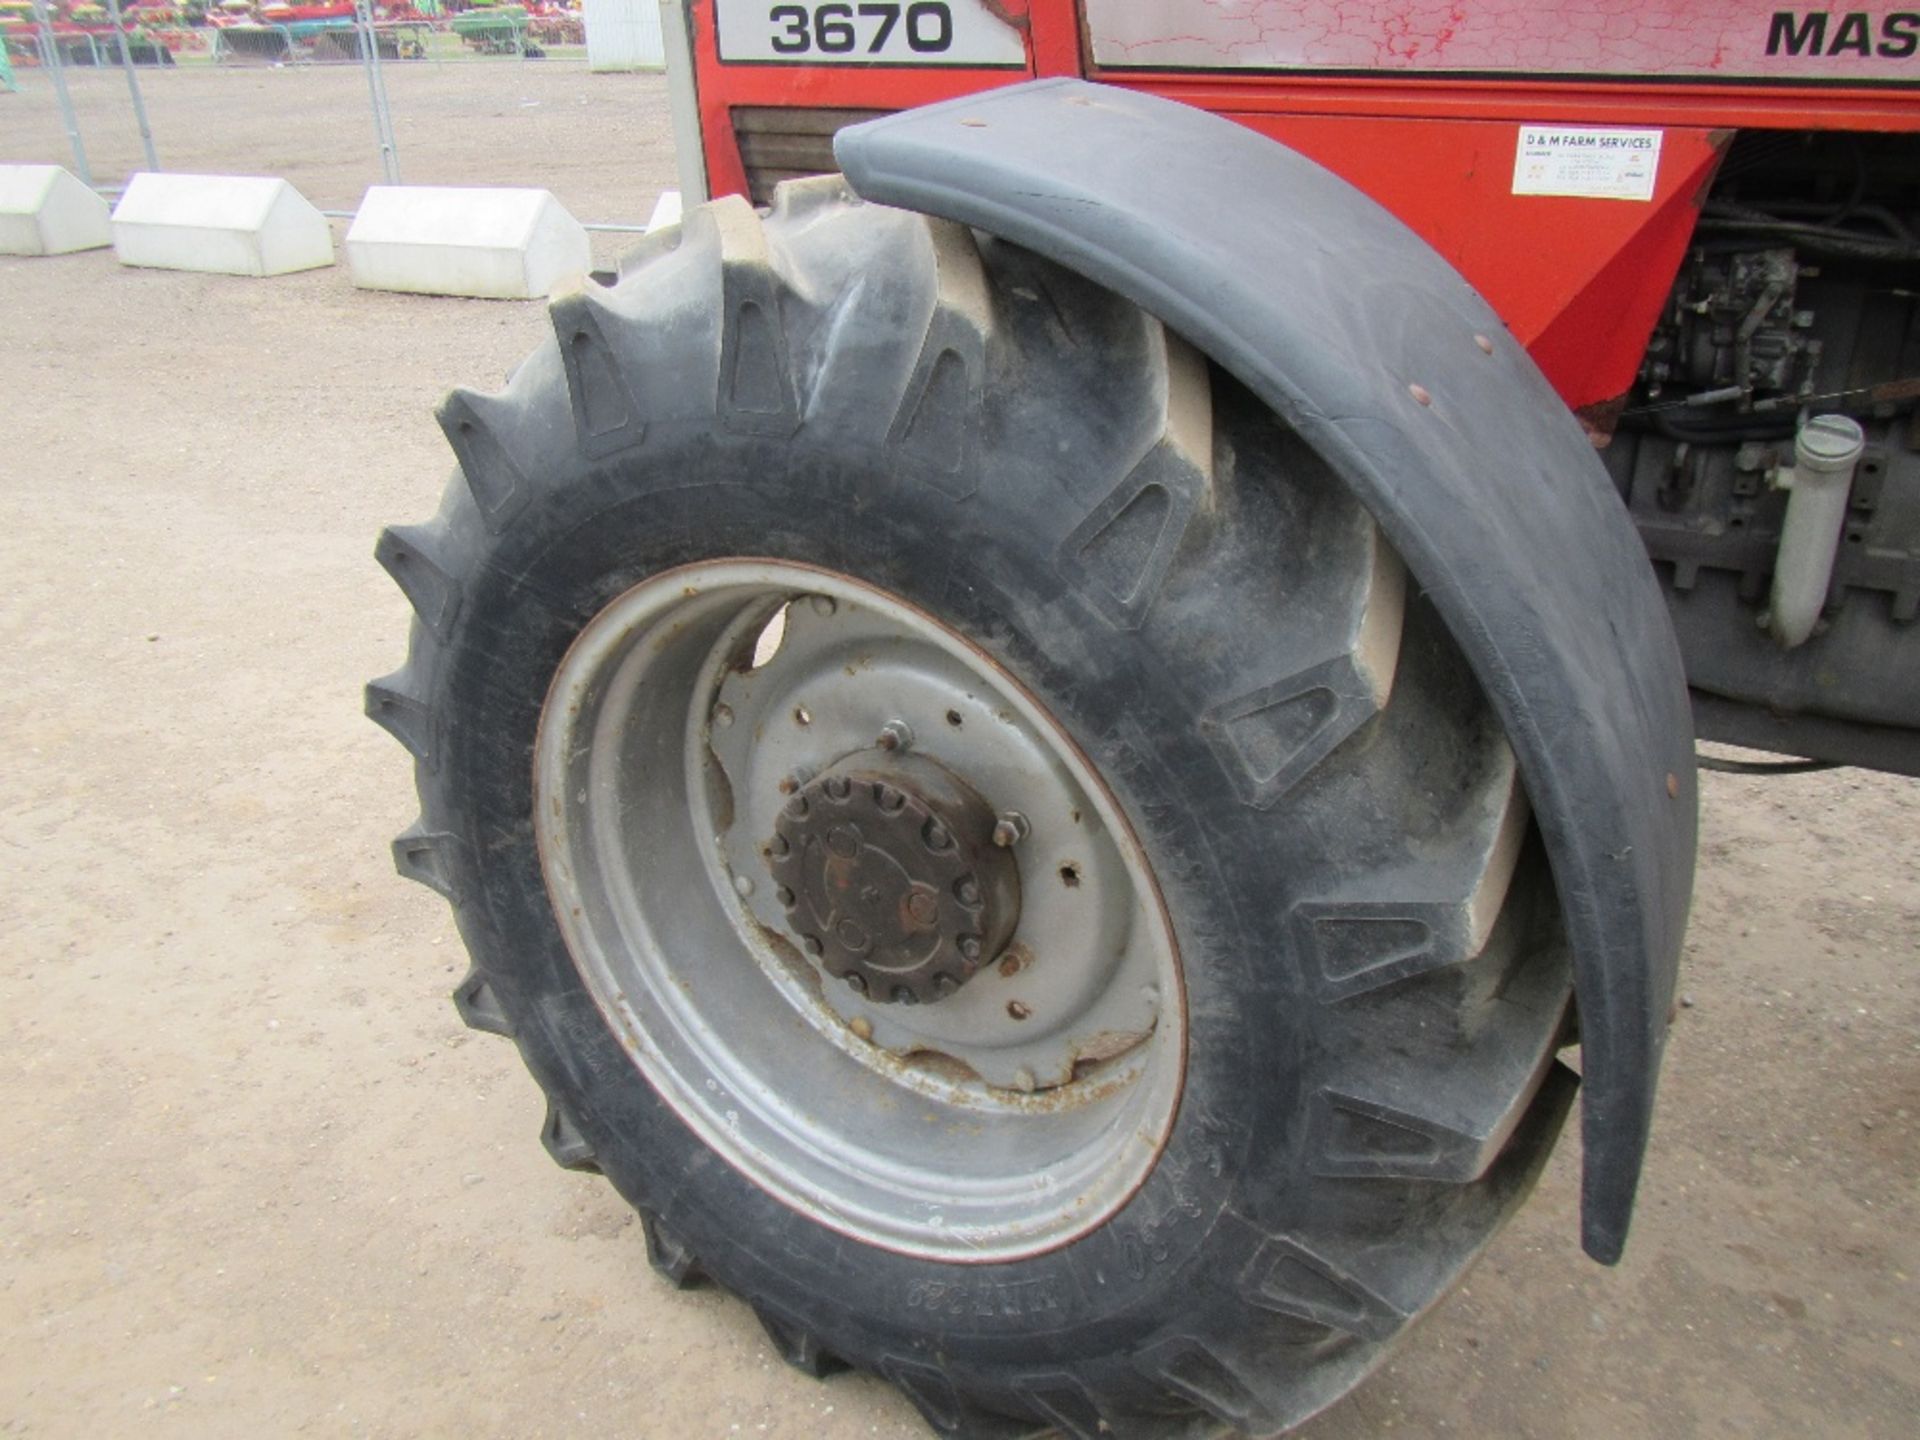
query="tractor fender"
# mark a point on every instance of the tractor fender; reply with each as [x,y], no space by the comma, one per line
[1360,336]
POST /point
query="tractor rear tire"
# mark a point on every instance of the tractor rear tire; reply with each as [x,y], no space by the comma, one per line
[1349,1079]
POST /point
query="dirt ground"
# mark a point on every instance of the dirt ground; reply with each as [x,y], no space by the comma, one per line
[257,1180]
[600,142]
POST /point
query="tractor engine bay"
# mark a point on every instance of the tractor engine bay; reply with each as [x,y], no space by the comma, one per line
[1800,298]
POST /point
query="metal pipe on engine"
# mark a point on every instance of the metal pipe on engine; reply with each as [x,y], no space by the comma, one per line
[1825,452]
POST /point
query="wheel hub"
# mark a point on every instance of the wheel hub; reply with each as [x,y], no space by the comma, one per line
[685,721]
[888,872]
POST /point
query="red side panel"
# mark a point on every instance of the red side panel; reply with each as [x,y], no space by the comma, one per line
[1536,258]
[1580,281]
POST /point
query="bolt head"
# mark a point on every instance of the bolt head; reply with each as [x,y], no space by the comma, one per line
[822,605]
[811,944]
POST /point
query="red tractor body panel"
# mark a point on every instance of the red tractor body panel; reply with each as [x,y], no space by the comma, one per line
[1425,107]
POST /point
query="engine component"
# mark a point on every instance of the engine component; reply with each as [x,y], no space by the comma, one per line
[1803,249]
[1733,330]
[1825,453]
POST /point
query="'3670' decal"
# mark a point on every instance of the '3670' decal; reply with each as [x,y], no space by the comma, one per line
[867,32]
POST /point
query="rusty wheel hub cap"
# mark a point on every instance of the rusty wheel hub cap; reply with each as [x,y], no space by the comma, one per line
[888,873]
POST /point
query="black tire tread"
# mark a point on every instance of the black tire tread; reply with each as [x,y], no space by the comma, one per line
[669,1254]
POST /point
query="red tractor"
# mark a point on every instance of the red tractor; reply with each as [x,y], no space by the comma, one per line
[1046,720]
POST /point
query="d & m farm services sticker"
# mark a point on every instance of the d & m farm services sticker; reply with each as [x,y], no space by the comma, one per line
[1592,164]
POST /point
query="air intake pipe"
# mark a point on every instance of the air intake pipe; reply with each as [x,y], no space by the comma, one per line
[1820,483]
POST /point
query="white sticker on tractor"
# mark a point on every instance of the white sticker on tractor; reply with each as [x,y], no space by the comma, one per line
[1592,164]
[913,32]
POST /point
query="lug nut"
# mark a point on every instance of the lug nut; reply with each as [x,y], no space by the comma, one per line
[857,983]
[822,605]
[811,944]
[895,735]
[1010,829]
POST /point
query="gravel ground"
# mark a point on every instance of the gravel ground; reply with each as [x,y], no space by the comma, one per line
[259,1181]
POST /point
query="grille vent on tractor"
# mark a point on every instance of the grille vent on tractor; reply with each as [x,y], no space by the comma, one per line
[787,142]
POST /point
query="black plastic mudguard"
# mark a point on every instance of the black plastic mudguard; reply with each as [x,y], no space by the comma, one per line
[1375,349]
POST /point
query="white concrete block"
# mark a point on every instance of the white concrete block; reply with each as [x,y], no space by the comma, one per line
[46,211]
[666,211]
[496,244]
[221,224]
[624,35]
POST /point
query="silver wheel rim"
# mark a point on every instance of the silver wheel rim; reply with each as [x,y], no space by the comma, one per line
[1009,1118]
